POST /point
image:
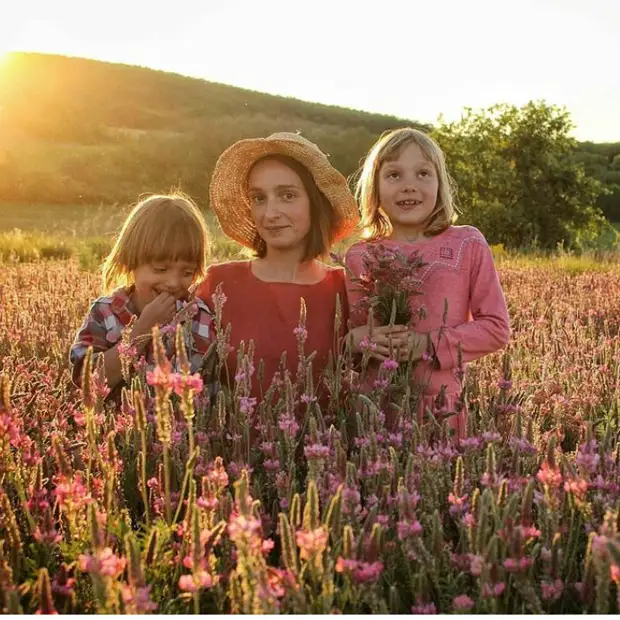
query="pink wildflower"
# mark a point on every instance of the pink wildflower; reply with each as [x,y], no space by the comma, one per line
[521,565]
[301,333]
[316,451]
[138,599]
[493,590]
[183,384]
[367,344]
[247,404]
[193,583]
[578,487]
[271,465]
[218,475]
[312,542]
[244,529]
[367,572]
[105,563]
[552,591]
[407,529]
[424,609]
[549,476]
[530,532]
[159,377]
[463,603]
[390,365]
[288,425]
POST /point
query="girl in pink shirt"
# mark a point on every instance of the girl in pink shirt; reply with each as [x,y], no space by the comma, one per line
[406,203]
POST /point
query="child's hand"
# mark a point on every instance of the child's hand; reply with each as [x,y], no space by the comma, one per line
[378,339]
[413,345]
[158,312]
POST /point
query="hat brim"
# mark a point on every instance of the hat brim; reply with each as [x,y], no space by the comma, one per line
[228,191]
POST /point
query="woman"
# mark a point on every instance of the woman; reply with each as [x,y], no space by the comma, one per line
[281,198]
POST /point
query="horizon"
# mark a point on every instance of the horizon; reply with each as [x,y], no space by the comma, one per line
[244,49]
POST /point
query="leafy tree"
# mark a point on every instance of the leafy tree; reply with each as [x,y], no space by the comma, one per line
[517,176]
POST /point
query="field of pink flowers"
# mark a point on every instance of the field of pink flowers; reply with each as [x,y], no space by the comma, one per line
[180,502]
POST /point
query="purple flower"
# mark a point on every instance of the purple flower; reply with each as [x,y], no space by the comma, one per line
[523,446]
[288,424]
[463,602]
[367,344]
[407,529]
[471,443]
[272,465]
[491,436]
[367,572]
[390,364]
[301,333]
[422,609]
[316,451]
[247,404]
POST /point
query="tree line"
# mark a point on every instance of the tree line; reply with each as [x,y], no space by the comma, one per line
[83,131]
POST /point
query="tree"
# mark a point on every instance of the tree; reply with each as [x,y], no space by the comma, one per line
[517,176]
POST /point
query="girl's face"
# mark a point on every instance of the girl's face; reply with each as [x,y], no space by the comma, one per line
[280,205]
[408,189]
[173,277]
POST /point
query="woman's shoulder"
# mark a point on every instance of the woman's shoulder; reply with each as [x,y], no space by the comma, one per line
[334,274]
[221,273]
[227,267]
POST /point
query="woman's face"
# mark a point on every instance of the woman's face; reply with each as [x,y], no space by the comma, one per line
[280,206]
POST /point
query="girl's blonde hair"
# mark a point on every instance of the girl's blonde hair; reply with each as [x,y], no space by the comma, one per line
[375,223]
[159,228]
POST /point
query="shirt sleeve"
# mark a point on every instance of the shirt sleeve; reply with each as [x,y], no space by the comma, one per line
[202,328]
[489,329]
[93,333]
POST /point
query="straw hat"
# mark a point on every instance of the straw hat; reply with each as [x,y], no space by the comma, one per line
[228,190]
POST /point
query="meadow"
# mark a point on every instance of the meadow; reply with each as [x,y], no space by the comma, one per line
[163,504]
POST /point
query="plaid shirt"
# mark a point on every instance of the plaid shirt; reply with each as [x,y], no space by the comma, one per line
[108,316]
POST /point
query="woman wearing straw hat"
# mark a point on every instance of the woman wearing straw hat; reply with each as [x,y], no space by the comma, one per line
[282,199]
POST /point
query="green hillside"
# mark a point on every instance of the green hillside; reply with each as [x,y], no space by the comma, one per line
[76,131]
[84,131]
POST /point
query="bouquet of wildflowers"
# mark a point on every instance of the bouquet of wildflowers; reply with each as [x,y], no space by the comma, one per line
[387,284]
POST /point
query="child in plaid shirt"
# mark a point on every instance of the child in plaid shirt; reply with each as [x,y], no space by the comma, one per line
[159,254]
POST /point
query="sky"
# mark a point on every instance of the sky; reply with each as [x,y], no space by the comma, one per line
[411,58]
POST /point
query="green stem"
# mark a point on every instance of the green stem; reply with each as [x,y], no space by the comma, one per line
[147,511]
[167,483]
[189,470]
[190,435]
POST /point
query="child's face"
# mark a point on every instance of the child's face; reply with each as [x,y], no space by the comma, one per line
[173,277]
[280,205]
[408,190]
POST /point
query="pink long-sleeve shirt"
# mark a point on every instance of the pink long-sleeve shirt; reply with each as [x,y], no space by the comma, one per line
[461,272]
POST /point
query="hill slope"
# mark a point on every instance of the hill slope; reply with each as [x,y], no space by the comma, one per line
[77,130]
[83,131]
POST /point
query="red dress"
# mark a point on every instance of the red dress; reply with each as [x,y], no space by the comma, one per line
[268,313]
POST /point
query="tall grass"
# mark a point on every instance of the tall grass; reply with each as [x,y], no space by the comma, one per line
[108,509]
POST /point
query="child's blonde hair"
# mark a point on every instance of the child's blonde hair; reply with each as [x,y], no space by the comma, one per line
[375,223]
[159,228]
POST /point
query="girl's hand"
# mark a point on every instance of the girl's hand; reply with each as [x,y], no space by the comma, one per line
[414,348]
[378,338]
[158,312]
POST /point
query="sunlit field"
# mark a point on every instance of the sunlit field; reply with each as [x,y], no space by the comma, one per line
[174,502]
